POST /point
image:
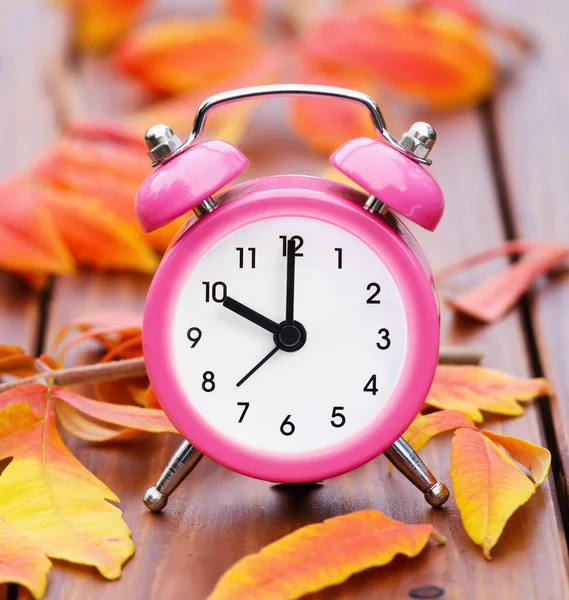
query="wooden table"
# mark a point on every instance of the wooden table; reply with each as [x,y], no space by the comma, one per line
[503,169]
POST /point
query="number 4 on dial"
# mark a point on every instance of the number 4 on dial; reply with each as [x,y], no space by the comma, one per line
[371,385]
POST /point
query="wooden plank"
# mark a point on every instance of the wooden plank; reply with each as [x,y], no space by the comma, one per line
[531,120]
[26,128]
[22,81]
[218,516]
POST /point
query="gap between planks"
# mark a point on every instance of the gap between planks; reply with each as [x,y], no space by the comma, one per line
[505,202]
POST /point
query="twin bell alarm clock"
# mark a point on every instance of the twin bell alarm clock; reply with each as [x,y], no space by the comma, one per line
[291,332]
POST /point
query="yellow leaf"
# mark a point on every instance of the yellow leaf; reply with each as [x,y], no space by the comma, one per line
[472,389]
[22,562]
[488,487]
[136,417]
[320,555]
[425,427]
[49,497]
[535,458]
[84,428]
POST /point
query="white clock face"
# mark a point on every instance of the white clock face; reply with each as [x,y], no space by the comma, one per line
[328,373]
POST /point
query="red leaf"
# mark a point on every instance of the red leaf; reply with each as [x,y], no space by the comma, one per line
[492,299]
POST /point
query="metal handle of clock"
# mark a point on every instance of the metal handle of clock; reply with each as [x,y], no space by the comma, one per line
[295,89]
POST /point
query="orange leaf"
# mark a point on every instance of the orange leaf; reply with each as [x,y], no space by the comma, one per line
[434,57]
[471,389]
[229,122]
[326,123]
[17,364]
[244,10]
[176,56]
[135,417]
[535,458]
[488,487]
[29,236]
[100,23]
[469,11]
[22,562]
[109,327]
[425,427]
[95,235]
[492,299]
[321,555]
[7,350]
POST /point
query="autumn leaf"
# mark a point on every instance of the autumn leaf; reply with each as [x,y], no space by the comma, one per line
[49,497]
[488,487]
[433,57]
[21,561]
[535,458]
[326,123]
[321,555]
[249,11]
[30,239]
[230,122]
[472,389]
[179,55]
[100,23]
[425,427]
[135,417]
[46,496]
[472,12]
[491,299]
[111,328]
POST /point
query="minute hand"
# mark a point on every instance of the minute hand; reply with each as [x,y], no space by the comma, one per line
[250,314]
[290,264]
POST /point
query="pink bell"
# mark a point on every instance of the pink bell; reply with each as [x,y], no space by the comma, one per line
[393,178]
[186,180]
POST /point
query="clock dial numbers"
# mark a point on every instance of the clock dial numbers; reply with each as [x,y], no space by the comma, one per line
[246,405]
[305,397]
[216,291]
[375,289]
[340,257]
[298,243]
[287,427]
[371,385]
[251,261]
[385,339]
[194,335]
[208,383]
[338,417]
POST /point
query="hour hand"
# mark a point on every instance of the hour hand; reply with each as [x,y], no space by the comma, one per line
[250,315]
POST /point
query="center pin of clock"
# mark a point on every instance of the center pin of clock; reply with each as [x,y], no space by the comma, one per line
[290,338]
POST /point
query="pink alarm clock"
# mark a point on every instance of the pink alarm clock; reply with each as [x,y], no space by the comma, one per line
[291,332]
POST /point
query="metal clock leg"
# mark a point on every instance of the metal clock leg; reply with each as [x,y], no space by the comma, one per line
[178,468]
[406,460]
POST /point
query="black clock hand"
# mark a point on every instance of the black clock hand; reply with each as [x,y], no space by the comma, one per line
[250,315]
[258,366]
[290,264]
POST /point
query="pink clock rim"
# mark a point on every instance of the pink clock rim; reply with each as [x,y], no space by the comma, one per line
[422,342]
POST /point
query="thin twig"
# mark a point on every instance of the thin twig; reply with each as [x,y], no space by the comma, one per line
[460,355]
[119,369]
[135,367]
